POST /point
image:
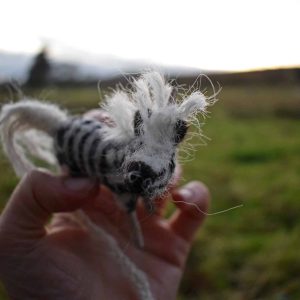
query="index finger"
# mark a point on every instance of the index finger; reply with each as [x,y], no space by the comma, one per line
[192,201]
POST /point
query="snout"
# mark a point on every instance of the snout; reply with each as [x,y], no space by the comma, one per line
[139,177]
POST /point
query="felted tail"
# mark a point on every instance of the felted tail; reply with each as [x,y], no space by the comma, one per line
[27,128]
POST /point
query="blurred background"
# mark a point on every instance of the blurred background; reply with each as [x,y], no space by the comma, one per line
[62,50]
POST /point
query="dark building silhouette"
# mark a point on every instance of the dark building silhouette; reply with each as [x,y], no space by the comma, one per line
[38,74]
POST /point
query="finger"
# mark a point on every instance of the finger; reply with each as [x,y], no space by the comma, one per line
[104,202]
[62,221]
[160,243]
[192,201]
[107,213]
[40,194]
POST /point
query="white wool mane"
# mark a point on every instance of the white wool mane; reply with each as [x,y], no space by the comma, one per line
[150,92]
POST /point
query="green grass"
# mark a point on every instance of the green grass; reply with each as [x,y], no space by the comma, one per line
[252,159]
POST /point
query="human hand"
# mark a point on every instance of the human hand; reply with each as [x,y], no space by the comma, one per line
[61,261]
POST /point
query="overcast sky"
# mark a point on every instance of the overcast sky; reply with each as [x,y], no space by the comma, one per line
[224,35]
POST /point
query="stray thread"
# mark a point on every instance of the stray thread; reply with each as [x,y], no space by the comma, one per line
[210,214]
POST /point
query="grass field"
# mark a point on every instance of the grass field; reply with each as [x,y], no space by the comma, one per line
[252,158]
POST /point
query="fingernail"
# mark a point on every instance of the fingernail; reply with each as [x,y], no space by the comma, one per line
[79,184]
[186,193]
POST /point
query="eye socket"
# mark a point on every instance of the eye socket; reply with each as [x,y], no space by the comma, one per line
[180,129]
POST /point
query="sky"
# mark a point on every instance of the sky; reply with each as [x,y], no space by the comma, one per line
[214,35]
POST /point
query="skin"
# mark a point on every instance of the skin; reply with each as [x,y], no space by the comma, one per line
[60,260]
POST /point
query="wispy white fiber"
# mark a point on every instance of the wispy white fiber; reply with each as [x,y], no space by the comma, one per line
[121,111]
[151,93]
[26,124]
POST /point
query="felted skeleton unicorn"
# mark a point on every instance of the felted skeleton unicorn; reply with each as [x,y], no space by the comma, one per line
[134,154]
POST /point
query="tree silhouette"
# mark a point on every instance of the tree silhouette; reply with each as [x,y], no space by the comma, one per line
[39,71]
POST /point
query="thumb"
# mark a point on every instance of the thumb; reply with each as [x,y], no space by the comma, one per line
[38,195]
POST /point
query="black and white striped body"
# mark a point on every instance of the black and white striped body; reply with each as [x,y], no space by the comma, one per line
[81,147]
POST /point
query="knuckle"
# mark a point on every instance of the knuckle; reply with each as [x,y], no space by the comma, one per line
[32,175]
[35,175]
